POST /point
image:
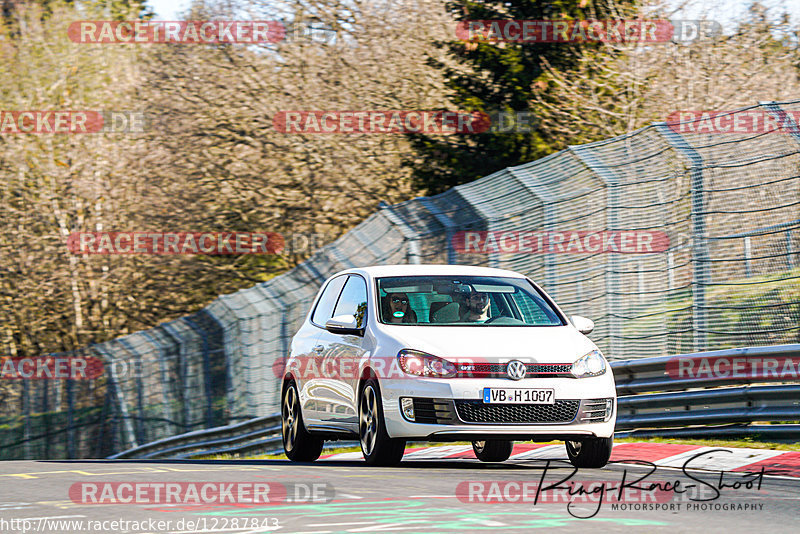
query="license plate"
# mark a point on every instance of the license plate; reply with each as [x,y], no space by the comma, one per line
[518,396]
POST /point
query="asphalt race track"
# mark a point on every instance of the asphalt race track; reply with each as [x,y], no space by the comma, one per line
[427,493]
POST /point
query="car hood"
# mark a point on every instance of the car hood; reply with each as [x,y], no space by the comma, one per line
[492,344]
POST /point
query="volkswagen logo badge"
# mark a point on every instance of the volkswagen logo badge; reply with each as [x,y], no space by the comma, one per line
[515,370]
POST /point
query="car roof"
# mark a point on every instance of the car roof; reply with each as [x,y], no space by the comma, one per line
[379,271]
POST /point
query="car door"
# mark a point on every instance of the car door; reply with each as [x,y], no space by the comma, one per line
[308,350]
[337,390]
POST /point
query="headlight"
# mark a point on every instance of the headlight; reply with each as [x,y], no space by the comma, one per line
[592,364]
[419,363]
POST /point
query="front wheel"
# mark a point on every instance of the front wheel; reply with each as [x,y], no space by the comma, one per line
[298,443]
[592,452]
[493,450]
[376,445]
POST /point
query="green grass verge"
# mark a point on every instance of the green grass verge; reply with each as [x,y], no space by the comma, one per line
[753,309]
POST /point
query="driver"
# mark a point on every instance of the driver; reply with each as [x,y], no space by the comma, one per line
[475,308]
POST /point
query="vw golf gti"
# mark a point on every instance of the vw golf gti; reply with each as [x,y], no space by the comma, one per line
[394,353]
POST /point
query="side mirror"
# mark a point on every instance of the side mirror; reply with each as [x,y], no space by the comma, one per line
[343,324]
[584,325]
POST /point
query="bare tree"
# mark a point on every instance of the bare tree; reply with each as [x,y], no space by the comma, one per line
[620,87]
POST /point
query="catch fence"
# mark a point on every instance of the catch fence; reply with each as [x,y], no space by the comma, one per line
[672,239]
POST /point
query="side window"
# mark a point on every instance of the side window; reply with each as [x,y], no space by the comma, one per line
[353,300]
[327,301]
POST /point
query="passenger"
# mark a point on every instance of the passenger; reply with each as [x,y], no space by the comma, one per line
[397,310]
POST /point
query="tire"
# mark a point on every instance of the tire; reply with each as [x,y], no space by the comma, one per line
[298,444]
[592,452]
[376,445]
[493,450]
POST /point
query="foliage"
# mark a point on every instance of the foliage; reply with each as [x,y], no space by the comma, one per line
[497,77]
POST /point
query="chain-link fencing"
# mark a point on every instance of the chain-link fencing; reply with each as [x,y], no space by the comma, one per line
[674,238]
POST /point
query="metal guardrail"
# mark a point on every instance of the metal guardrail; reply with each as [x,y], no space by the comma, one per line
[258,436]
[650,374]
[651,403]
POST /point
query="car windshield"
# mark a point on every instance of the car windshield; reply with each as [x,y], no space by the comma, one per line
[463,301]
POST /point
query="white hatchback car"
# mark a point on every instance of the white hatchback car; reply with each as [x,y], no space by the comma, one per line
[444,353]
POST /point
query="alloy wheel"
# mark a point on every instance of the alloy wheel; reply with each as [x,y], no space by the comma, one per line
[290,422]
[368,420]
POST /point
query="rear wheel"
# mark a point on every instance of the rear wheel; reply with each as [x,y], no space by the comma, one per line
[493,450]
[298,443]
[376,445]
[592,452]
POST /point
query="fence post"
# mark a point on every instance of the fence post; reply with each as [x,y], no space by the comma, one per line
[700,255]
[411,236]
[747,257]
[162,367]
[784,118]
[284,336]
[26,410]
[121,411]
[611,181]
[188,420]
[70,386]
[670,270]
[139,422]
[101,434]
[448,225]
[206,371]
[45,417]
[550,271]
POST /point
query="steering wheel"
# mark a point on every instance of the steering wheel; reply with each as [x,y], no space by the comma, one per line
[493,319]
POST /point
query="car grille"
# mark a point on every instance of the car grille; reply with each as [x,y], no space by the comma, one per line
[475,411]
[498,370]
[536,368]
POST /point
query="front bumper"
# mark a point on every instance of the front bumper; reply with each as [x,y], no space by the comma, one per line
[452,409]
